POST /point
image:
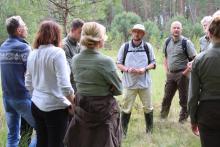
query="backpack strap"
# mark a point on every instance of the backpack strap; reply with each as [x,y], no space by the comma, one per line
[125,52]
[184,46]
[146,48]
[166,44]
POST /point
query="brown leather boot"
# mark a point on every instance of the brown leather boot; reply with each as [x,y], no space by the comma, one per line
[164,112]
[183,115]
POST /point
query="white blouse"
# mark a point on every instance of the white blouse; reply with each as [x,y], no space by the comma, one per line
[48,78]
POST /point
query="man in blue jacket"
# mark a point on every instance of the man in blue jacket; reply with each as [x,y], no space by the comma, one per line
[16,98]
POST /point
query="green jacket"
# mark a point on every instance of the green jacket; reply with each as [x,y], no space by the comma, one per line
[95,74]
[71,48]
[204,80]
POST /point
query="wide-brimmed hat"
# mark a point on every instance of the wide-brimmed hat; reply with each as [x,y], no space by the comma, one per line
[139,27]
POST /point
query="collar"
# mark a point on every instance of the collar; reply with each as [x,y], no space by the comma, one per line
[72,40]
[90,51]
[18,38]
[45,46]
[179,39]
[133,45]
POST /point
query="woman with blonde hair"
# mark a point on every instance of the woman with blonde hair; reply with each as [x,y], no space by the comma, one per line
[48,78]
[204,91]
[96,122]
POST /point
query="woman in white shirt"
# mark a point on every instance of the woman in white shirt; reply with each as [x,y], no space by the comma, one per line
[48,80]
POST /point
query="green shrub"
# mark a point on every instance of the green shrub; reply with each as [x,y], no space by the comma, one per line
[197,30]
[152,30]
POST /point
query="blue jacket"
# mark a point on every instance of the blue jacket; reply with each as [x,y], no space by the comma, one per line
[13,59]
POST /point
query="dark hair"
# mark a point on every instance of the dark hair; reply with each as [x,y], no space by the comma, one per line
[12,24]
[214,28]
[77,23]
[49,33]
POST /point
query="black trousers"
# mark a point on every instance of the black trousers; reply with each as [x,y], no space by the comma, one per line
[50,126]
[174,82]
[208,117]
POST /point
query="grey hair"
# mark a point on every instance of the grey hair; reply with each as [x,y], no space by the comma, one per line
[206,19]
[12,23]
[217,13]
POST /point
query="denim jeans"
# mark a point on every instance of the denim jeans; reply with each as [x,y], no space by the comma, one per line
[14,109]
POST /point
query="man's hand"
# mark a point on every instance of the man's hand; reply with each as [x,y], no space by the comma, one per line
[132,70]
[188,69]
[186,72]
[189,65]
[141,71]
[165,65]
[195,129]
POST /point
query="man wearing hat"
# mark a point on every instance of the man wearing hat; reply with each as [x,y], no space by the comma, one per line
[135,59]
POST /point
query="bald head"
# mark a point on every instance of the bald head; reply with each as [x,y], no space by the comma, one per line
[176,29]
[176,23]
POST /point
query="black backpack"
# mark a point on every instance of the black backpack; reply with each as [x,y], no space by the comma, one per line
[184,47]
[146,49]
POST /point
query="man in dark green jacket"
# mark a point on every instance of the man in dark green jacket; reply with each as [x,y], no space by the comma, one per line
[71,45]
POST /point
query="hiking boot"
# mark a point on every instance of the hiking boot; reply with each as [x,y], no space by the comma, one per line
[164,112]
[125,117]
[183,115]
[149,122]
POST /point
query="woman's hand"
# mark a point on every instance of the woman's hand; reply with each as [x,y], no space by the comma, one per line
[71,108]
[195,129]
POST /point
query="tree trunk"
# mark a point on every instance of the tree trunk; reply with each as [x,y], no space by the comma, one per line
[182,7]
[65,17]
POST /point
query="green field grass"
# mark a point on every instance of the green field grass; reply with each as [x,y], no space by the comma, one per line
[167,133]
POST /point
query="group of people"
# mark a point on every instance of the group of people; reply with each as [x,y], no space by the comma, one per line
[66,98]
[64,89]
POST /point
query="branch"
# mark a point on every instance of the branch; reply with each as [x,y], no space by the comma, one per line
[93,2]
[58,5]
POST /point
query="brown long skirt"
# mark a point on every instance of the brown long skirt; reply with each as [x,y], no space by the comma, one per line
[96,123]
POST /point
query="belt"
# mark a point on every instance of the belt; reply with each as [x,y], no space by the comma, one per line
[176,71]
